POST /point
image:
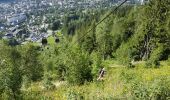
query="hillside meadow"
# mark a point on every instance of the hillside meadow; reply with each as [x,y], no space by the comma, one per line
[120,83]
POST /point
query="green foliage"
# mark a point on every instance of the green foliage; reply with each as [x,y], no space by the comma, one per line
[168,60]
[96,60]
[72,95]
[104,39]
[26,82]
[131,34]
[89,42]
[124,83]
[10,74]
[156,90]
[155,57]
[47,82]
[129,76]
[79,70]
[53,59]
[141,86]
[32,67]
[29,95]
[124,54]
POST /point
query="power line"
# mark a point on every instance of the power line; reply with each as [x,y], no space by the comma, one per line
[99,22]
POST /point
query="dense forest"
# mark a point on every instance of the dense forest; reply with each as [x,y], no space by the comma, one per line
[134,38]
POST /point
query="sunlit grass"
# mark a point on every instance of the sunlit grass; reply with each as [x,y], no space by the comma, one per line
[113,86]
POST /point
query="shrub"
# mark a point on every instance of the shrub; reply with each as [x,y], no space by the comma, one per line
[155,57]
[79,70]
[96,63]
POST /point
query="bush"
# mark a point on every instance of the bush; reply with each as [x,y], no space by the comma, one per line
[79,70]
[32,67]
[96,63]
[155,57]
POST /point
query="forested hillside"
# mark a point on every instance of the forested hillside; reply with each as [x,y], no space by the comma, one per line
[133,44]
[132,33]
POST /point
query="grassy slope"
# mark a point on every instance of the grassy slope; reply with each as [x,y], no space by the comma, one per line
[117,84]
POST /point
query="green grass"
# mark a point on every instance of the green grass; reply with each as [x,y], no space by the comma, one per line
[119,83]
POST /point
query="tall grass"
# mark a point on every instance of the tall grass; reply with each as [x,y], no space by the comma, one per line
[139,83]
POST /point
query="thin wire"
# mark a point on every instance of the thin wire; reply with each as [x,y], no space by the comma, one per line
[99,23]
